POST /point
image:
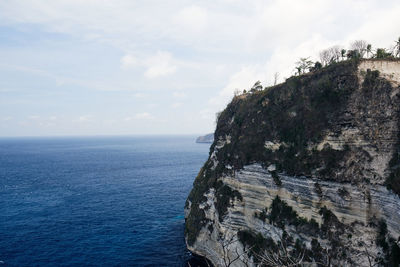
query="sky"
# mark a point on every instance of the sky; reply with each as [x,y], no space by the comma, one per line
[135,67]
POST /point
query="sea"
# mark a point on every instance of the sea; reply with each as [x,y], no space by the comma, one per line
[96,201]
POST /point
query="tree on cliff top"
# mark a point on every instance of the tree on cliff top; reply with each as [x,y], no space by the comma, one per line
[381,53]
[369,49]
[360,46]
[396,51]
[331,54]
[303,65]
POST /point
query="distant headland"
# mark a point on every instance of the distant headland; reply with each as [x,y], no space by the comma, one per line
[208,138]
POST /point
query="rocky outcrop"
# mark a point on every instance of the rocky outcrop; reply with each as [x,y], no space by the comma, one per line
[311,165]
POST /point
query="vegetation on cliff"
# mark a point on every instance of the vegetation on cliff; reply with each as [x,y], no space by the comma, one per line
[393,181]
[292,114]
[359,49]
[283,216]
[206,179]
[331,230]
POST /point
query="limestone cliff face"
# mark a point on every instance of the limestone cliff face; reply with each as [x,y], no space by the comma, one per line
[312,164]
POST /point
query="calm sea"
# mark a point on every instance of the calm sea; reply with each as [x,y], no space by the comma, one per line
[102,201]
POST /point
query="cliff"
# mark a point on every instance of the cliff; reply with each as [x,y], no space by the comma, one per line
[307,172]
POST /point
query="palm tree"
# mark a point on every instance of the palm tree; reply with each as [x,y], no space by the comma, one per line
[343,53]
[369,49]
[298,70]
[397,48]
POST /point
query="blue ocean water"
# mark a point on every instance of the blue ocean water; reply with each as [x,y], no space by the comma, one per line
[101,201]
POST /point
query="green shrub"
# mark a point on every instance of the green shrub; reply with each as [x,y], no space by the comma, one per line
[370,79]
[381,236]
[389,246]
[318,189]
[262,215]
[282,214]
[256,242]
[277,179]
[394,256]
[393,180]
[381,53]
[343,193]
[194,223]
[327,215]
[224,195]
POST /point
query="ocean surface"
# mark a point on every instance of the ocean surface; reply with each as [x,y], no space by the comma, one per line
[99,201]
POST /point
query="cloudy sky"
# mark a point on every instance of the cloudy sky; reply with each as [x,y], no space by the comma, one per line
[85,67]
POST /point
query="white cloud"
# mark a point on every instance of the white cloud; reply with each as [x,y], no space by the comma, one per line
[128,61]
[206,114]
[139,95]
[209,116]
[232,25]
[34,117]
[178,94]
[144,116]
[176,105]
[8,118]
[160,64]
[290,30]
[84,118]
[152,105]
[283,59]
[7,90]
[243,79]
[192,18]
[381,27]
[203,49]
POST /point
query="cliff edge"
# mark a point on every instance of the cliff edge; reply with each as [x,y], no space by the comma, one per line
[305,172]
